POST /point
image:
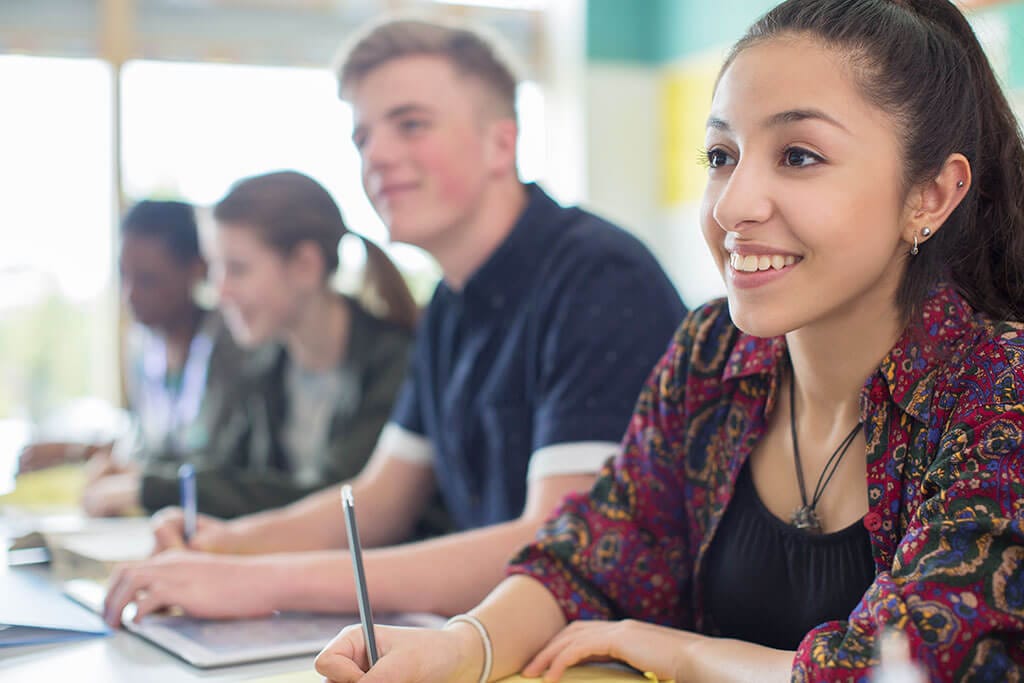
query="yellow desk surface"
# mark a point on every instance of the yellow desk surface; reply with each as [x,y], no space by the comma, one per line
[580,674]
[55,486]
[589,674]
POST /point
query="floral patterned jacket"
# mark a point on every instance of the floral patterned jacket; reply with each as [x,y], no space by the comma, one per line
[944,421]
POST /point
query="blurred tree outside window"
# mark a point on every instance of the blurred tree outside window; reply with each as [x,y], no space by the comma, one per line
[57,311]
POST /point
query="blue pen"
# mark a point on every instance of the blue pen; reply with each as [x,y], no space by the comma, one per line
[187,483]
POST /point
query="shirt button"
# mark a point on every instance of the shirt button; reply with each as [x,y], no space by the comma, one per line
[872,521]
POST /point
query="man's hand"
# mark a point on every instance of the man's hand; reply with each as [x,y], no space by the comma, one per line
[203,585]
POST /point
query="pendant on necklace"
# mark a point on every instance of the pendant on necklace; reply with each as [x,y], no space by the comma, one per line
[806,519]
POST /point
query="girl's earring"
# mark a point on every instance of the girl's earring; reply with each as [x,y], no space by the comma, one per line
[913,252]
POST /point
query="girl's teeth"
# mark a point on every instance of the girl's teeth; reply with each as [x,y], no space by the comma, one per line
[753,263]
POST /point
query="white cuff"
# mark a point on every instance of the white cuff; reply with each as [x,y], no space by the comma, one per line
[578,457]
[398,442]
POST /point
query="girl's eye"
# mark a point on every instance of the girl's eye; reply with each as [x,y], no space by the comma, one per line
[797,157]
[716,158]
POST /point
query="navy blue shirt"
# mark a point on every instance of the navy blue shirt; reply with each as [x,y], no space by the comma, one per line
[548,343]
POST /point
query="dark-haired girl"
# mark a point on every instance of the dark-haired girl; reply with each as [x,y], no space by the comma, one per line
[837,450]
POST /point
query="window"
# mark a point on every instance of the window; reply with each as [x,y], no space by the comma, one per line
[57,313]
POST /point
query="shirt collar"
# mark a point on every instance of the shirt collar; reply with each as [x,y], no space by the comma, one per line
[762,357]
[906,375]
[507,274]
[910,370]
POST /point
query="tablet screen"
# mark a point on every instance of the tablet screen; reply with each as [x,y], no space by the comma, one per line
[209,643]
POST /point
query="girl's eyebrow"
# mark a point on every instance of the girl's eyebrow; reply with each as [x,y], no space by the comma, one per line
[783,118]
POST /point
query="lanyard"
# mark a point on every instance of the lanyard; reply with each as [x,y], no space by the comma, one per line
[165,412]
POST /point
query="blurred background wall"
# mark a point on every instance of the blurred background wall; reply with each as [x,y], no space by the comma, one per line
[104,102]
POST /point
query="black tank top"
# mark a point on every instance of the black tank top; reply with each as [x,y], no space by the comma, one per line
[769,583]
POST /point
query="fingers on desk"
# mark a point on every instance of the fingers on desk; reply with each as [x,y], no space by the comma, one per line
[127,584]
[580,643]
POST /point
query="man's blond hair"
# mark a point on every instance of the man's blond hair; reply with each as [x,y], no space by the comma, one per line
[469,53]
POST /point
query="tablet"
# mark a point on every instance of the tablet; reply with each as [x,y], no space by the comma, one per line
[208,643]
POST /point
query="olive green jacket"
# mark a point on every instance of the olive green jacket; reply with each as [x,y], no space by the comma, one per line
[241,466]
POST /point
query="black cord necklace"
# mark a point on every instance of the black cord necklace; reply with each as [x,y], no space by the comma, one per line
[806,517]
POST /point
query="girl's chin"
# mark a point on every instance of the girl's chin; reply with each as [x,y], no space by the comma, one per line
[755,321]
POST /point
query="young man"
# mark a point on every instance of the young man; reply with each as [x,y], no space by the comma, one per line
[528,362]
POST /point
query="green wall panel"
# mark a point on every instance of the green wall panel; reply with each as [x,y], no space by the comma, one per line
[659,31]
[1013,15]
[622,30]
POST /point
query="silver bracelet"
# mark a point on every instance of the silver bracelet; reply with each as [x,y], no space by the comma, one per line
[485,675]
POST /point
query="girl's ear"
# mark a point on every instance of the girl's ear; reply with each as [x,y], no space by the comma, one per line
[931,202]
[306,264]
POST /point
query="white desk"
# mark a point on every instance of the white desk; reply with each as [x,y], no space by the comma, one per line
[120,658]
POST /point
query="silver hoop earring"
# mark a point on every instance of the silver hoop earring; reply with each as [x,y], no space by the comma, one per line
[925,231]
[913,252]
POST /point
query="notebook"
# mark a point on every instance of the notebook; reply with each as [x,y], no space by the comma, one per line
[93,553]
[32,612]
[212,643]
[79,547]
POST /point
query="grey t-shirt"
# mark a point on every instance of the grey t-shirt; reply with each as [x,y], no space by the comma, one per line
[313,399]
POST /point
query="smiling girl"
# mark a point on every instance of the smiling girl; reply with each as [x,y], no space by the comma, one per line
[314,398]
[835,451]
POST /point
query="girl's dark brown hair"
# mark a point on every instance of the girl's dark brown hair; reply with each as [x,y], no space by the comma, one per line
[920,61]
[287,208]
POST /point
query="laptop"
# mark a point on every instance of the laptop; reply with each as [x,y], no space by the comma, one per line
[206,643]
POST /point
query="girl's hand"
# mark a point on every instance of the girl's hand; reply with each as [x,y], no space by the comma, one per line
[212,535]
[660,650]
[113,495]
[101,464]
[407,655]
